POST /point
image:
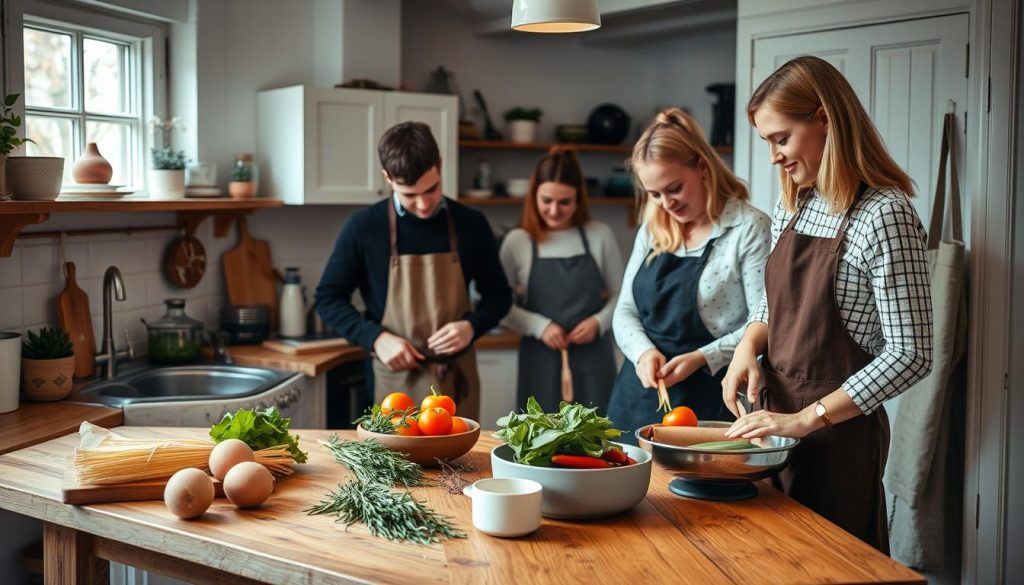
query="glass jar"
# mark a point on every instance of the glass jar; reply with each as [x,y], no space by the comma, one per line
[175,338]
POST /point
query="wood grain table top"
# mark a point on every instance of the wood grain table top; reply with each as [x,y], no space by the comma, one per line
[767,539]
[35,422]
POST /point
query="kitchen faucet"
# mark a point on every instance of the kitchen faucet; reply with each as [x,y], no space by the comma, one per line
[113,285]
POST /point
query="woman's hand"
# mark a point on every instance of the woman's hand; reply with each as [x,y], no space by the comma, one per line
[553,336]
[648,367]
[585,331]
[762,423]
[682,367]
[451,338]
[396,352]
[743,375]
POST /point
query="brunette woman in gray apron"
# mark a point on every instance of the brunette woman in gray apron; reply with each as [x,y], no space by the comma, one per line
[567,290]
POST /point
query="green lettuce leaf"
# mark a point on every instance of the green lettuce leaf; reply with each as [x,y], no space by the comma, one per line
[260,429]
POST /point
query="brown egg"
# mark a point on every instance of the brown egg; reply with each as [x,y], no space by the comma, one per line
[227,454]
[189,492]
[248,484]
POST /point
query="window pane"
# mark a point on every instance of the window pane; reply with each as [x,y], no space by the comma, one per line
[53,138]
[106,79]
[114,141]
[47,69]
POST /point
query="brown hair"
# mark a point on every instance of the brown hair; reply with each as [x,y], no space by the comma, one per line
[560,165]
[673,136]
[408,150]
[854,152]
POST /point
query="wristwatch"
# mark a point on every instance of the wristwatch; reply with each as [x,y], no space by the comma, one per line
[822,412]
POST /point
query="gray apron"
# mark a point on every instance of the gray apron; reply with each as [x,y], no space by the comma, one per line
[567,291]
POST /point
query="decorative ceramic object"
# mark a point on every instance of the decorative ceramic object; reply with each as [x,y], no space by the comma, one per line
[91,167]
[242,189]
[47,380]
[522,131]
[166,184]
[35,178]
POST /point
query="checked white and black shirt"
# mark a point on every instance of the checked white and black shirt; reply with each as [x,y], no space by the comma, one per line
[882,289]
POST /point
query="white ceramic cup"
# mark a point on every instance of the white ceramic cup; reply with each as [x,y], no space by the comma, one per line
[505,507]
[10,370]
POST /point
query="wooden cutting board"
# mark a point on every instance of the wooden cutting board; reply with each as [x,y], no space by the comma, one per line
[77,494]
[299,347]
[249,273]
[73,313]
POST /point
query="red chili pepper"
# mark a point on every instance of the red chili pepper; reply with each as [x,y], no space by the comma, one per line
[615,455]
[580,461]
[630,460]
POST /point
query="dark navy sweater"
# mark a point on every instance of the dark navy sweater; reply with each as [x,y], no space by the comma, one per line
[360,261]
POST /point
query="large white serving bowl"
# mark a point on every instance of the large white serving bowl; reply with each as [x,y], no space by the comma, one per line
[581,493]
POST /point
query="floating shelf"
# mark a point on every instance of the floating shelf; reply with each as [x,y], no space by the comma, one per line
[16,215]
[605,148]
[593,201]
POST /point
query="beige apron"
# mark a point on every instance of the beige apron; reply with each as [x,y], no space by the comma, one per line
[425,292]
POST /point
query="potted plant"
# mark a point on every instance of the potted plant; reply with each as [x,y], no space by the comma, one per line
[522,123]
[167,175]
[243,181]
[9,124]
[47,364]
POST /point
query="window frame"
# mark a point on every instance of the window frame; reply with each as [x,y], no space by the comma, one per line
[147,71]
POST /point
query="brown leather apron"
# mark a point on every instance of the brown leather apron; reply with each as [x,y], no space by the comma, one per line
[425,292]
[837,470]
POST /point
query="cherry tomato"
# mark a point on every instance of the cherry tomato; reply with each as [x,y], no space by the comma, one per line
[435,400]
[681,416]
[459,425]
[411,430]
[396,401]
[435,421]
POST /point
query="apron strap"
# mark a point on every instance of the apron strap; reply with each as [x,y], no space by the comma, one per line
[947,152]
[707,250]
[586,242]
[801,202]
[393,232]
[453,240]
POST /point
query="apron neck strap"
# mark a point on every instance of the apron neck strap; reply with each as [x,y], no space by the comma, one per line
[453,240]
[801,201]
[586,242]
[707,250]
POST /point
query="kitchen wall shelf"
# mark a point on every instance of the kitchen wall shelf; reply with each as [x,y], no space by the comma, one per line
[608,148]
[16,215]
[518,201]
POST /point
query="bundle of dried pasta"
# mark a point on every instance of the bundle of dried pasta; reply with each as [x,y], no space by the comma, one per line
[104,457]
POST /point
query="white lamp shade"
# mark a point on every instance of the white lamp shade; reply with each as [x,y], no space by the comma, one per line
[555,16]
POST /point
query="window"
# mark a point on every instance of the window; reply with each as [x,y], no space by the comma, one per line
[86,84]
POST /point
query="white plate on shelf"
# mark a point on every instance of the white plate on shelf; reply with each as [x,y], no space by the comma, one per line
[205,192]
[89,187]
[108,194]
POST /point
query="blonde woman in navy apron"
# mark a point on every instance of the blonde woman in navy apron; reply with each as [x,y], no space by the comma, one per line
[565,269]
[695,274]
[846,319]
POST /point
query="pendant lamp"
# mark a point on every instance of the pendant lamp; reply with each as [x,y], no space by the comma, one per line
[555,16]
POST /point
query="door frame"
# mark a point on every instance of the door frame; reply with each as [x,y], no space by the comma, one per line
[989,179]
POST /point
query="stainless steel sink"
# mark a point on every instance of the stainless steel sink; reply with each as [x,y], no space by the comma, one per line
[178,383]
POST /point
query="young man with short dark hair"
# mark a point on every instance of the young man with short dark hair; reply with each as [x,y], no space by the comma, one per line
[412,258]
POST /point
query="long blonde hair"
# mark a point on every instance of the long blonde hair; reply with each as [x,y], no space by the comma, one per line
[675,137]
[854,151]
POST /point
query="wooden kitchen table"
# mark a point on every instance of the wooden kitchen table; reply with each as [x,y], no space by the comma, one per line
[767,539]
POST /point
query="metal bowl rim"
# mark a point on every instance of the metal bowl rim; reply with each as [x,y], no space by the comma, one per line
[759,450]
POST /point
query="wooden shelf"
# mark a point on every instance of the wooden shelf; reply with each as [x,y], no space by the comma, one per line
[605,148]
[593,201]
[16,215]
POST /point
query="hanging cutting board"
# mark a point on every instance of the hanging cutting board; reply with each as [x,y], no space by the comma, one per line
[249,273]
[77,494]
[73,313]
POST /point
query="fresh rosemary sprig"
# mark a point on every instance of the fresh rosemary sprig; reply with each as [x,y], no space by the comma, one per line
[371,461]
[376,421]
[387,513]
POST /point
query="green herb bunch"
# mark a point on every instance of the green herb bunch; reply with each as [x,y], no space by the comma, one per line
[371,461]
[260,429]
[48,344]
[167,159]
[376,420]
[388,513]
[520,113]
[9,124]
[535,436]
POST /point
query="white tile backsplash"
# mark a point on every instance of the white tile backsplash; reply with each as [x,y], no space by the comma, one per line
[10,309]
[39,264]
[39,303]
[103,254]
[10,269]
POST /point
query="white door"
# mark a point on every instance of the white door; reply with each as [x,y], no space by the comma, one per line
[904,73]
[341,131]
[440,112]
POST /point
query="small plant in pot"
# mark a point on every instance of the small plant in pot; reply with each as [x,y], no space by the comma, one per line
[9,124]
[243,177]
[47,364]
[522,123]
[167,175]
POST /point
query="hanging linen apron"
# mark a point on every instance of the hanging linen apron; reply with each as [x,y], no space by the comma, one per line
[665,292]
[837,470]
[425,292]
[567,291]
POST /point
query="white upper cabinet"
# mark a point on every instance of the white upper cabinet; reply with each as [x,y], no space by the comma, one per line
[319,145]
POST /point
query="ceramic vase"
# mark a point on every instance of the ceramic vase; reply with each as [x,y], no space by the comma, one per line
[242,189]
[91,167]
[522,131]
[47,380]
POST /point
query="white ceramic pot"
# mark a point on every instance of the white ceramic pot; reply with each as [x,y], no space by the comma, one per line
[35,178]
[10,370]
[166,184]
[522,131]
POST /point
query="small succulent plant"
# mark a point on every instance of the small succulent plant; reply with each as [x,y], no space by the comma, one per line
[168,159]
[520,113]
[241,173]
[48,344]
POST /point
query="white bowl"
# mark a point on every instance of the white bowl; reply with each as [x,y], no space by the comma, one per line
[517,187]
[35,178]
[581,493]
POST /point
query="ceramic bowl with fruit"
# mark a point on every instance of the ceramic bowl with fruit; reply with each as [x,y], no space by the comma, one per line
[424,433]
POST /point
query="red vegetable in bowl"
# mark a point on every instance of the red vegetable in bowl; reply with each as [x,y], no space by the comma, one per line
[580,462]
[615,455]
